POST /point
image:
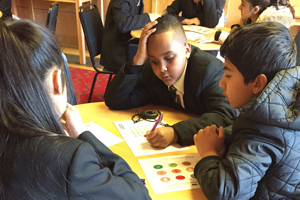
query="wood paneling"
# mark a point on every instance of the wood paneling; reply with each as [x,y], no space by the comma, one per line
[66,32]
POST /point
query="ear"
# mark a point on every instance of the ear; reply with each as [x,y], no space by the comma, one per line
[188,50]
[259,83]
[57,83]
[256,9]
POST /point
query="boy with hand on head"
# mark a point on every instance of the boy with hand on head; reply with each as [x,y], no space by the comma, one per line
[172,62]
[262,161]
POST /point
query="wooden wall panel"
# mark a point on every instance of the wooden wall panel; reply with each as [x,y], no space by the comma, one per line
[66,25]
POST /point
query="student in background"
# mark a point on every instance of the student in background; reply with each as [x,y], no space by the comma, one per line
[262,161]
[37,159]
[197,12]
[122,17]
[253,11]
[173,63]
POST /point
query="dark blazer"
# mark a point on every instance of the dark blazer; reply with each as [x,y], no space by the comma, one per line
[122,17]
[82,168]
[209,13]
[202,94]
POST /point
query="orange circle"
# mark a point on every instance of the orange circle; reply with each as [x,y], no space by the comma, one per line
[165,179]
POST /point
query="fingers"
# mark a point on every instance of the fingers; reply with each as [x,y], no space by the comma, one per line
[148,29]
[221,132]
[156,139]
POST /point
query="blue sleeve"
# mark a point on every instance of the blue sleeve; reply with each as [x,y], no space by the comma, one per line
[97,173]
[236,176]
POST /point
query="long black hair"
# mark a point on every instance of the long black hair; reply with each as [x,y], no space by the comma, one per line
[28,52]
[263,4]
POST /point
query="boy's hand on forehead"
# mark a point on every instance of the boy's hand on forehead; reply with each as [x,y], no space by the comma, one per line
[142,55]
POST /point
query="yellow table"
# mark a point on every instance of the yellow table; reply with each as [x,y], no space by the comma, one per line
[104,117]
[210,46]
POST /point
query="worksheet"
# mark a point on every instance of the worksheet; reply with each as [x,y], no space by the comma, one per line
[197,33]
[106,137]
[171,173]
[133,134]
[198,29]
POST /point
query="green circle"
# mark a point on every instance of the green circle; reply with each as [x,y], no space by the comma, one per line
[172,165]
[158,166]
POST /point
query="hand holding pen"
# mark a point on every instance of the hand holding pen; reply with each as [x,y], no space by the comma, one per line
[161,137]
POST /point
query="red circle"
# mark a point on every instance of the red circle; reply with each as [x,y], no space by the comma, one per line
[180,177]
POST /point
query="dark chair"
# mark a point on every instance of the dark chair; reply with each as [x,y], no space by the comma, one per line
[52,16]
[132,46]
[69,84]
[297,41]
[93,29]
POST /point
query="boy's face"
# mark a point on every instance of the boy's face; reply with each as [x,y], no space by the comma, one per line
[236,91]
[167,56]
[247,10]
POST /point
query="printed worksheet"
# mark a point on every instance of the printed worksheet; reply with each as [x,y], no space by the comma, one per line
[106,137]
[171,173]
[198,29]
[133,134]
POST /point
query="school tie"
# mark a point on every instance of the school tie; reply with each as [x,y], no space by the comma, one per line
[175,96]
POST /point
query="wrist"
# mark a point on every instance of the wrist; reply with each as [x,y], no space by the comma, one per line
[208,153]
[137,61]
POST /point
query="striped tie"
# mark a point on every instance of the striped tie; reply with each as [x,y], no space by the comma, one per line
[174,95]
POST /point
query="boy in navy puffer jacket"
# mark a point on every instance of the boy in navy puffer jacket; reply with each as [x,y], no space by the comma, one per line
[263,159]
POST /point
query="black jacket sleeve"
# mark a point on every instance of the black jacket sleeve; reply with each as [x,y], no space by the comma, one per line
[124,18]
[213,10]
[97,173]
[209,13]
[215,109]
[126,90]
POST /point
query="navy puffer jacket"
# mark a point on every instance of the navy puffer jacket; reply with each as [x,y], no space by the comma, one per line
[263,161]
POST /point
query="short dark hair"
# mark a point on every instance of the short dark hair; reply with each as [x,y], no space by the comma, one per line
[169,23]
[260,48]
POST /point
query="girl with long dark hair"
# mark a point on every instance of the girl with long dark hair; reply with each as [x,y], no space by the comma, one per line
[37,158]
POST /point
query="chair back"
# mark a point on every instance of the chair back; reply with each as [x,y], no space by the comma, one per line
[297,41]
[52,17]
[93,29]
[132,46]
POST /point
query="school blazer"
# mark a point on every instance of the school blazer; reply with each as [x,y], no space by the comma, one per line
[209,13]
[122,17]
[202,94]
[82,168]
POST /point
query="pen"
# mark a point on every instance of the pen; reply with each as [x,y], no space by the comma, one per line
[157,121]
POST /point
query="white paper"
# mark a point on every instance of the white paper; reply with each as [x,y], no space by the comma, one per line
[133,134]
[106,137]
[196,37]
[198,29]
[171,173]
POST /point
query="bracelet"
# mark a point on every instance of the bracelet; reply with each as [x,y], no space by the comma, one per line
[217,34]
